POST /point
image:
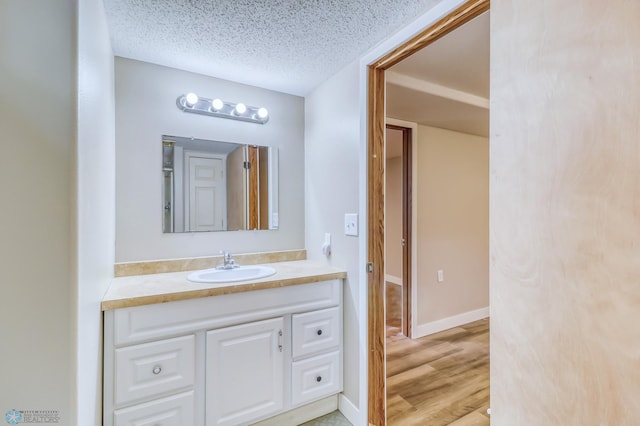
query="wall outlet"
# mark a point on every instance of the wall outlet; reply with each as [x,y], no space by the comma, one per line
[351,224]
[440,275]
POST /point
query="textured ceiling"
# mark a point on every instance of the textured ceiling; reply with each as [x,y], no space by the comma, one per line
[285,45]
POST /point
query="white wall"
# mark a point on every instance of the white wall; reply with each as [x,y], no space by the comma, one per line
[146,109]
[95,187]
[452,233]
[331,165]
[335,169]
[37,115]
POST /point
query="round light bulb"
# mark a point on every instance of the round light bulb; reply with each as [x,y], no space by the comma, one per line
[191,99]
[241,108]
[263,113]
[217,104]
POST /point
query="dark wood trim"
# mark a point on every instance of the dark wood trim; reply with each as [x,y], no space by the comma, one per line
[375,194]
[406,229]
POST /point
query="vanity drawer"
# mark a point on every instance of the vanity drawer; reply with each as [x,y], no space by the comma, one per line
[315,331]
[176,410]
[150,369]
[315,378]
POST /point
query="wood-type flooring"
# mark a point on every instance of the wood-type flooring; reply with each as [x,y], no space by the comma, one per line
[441,379]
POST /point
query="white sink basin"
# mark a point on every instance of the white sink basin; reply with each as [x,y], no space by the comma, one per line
[242,273]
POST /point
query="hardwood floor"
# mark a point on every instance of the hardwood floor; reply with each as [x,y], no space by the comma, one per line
[441,379]
[393,306]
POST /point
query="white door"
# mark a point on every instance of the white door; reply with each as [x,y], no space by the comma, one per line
[245,372]
[207,194]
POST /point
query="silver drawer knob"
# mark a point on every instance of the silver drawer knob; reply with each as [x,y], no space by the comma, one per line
[157,369]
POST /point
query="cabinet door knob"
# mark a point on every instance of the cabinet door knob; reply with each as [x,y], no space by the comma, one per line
[319,332]
[157,369]
[319,379]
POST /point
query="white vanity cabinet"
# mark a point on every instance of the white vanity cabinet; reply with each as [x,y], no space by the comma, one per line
[225,360]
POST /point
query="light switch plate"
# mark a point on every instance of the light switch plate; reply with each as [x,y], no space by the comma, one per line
[351,224]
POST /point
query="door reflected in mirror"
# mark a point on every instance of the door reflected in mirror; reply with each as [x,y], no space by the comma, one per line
[218,186]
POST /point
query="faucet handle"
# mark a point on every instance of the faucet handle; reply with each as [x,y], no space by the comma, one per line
[227,261]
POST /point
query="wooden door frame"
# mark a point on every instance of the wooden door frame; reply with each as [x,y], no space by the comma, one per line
[375,194]
[407,158]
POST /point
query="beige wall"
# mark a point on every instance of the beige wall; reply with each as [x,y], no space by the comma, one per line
[393,217]
[37,117]
[452,234]
[146,109]
[565,213]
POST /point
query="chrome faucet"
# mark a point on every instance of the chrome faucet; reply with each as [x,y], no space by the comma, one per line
[227,261]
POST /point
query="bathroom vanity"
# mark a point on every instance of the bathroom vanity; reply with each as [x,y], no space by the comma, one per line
[184,353]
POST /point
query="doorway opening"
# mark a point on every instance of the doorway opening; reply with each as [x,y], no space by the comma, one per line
[375,195]
[398,228]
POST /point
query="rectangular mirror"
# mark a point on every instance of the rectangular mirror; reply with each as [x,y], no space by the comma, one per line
[218,186]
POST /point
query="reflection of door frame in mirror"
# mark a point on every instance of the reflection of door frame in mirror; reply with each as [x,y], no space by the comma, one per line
[262,187]
[274,219]
[221,194]
[253,194]
[236,175]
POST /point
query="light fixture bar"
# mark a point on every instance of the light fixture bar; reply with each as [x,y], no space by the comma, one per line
[218,108]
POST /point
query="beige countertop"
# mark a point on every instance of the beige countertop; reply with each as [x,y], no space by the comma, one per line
[141,290]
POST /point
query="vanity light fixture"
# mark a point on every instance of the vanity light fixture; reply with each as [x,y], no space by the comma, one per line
[219,108]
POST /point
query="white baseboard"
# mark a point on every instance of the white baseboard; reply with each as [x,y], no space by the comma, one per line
[393,279]
[449,322]
[348,410]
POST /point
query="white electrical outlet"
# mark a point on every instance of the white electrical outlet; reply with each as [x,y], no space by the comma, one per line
[440,275]
[351,224]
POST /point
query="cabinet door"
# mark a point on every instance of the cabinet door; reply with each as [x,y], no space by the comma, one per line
[245,372]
